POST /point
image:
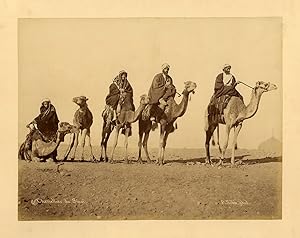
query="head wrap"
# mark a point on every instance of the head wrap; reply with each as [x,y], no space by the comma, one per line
[226,66]
[46,100]
[165,66]
[122,72]
[84,98]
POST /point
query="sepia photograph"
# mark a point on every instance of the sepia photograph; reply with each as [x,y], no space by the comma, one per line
[150,118]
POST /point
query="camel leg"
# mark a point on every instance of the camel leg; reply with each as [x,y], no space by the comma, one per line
[218,138]
[71,144]
[88,134]
[105,137]
[236,133]
[209,134]
[140,148]
[102,144]
[82,143]
[225,144]
[164,145]
[126,145]
[161,141]
[117,129]
[76,135]
[103,147]
[145,146]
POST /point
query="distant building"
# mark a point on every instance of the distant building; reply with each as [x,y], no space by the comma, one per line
[271,146]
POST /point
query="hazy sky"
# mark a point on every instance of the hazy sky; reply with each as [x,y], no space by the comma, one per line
[63,58]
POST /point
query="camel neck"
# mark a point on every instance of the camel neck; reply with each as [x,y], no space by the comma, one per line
[252,107]
[137,112]
[83,106]
[181,108]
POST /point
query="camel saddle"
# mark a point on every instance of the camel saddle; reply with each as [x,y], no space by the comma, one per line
[216,108]
[36,134]
[107,115]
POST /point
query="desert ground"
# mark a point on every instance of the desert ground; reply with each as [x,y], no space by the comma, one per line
[184,188]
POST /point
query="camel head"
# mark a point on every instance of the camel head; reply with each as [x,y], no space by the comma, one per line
[80,101]
[65,128]
[262,87]
[144,99]
[189,87]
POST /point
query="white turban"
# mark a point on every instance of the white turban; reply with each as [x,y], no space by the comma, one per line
[226,66]
[46,100]
[165,66]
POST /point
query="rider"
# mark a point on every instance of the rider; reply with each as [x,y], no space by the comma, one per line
[161,89]
[227,88]
[120,95]
[47,121]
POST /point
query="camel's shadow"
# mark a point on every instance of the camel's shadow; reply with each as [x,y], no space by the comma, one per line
[241,159]
[238,159]
[94,162]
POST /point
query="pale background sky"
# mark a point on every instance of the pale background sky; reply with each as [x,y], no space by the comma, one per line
[63,58]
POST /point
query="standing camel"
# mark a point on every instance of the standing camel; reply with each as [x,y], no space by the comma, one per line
[126,118]
[107,128]
[83,120]
[234,115]
[171,113]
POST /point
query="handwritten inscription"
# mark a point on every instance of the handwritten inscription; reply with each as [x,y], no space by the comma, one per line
[235,202]
[37,201]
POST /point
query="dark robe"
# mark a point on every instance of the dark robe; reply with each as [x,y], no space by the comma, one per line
[170,92]
[113,96]
[222,89]
[158,89]
[47,121]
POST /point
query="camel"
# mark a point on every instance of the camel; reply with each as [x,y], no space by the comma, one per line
[83,120]
[234,115]
[107,129]
[35,148]
[170,114]
[126,118]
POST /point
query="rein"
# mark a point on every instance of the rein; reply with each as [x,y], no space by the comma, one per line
[246,85]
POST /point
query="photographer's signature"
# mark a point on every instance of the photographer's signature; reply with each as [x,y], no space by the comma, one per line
[37,201]
[235,202]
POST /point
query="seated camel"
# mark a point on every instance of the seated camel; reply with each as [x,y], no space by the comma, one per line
[35,148]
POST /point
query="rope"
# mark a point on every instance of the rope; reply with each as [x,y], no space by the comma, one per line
[246,84]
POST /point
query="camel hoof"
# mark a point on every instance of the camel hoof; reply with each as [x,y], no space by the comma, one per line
[140,161]
[111,161]
[126,161]
[36,159]
[149,161]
